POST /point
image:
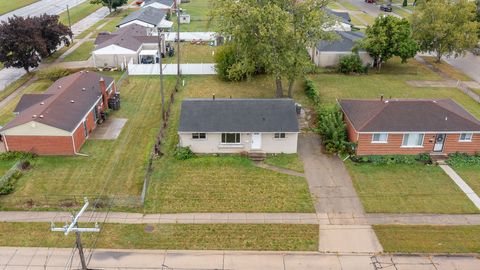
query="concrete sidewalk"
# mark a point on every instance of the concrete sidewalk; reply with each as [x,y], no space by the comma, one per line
[55,258]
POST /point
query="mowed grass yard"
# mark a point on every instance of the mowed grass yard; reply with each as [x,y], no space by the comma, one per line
[82,53]
[111,167]
[428,239]
[199,11]
[77,13]
[223,183]
[7,6]
[470,173]
[192,53]
[274,237]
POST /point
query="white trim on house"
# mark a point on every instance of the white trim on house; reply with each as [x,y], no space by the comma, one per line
[413,146]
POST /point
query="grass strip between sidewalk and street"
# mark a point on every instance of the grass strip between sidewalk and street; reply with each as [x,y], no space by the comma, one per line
[428,239]
[9,6]
[274,237]
[77,13]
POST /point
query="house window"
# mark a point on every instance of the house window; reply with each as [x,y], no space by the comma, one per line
[379,138]
[199,136]
[279,135]
[230,137]
[466,137]
[412,140]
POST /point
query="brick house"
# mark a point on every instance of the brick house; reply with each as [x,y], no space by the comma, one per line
[59,121]
[410,126]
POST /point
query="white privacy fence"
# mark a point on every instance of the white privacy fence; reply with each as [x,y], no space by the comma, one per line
[171,69]
[189,36]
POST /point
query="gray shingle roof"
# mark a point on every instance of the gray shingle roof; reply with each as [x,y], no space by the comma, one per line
[163,2]
[409,115]
[27,100]
[131,37]
[343,16]
[149,15]
[238,115]
[346,43]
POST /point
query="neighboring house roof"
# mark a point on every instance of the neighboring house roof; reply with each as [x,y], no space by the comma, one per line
[57,110]
[347,41]
[168,3]
[238,115]
[343,16]
[27,100]
[130,37]
[148,15]
[409,115]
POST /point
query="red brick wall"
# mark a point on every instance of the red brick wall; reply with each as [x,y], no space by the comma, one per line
[352,134]
[42,145]
[452,144]
[79,134]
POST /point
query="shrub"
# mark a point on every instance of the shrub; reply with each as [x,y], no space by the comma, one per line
[228,65]
[6,156]
[183,153]
[462,159]
[311,91]
[351,64]
[52,74]
[392,159]
[8,185]
[333,131]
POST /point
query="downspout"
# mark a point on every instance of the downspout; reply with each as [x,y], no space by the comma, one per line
[5,140]
[75,149]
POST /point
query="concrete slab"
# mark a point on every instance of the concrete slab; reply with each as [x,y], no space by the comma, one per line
[109,130]
[193,260]
[348,238]
[307,262]
[253,262]
[354,262]
[464,263]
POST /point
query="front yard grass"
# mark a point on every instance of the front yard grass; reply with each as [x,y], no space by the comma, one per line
[9,6]
[111,167]
[274,237]
[390,82]
[287,161]
[470,173]
[223,183]
[82,53]
[54,56]
[407,188]
[429,239]
[5,166]
[78,12]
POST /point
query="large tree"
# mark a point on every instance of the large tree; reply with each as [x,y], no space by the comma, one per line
[445,27]
[25,41]
[389,36]
[111,4]
[272,35]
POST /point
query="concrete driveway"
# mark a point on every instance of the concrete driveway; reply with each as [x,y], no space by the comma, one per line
[327,178]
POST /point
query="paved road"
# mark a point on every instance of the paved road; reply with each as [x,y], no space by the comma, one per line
[43,258]
[370,9]
[43,6]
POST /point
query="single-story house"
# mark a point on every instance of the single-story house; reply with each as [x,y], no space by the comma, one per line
[410,126]
[239,125]
[328,53]
[343,22]
[132,42]
[149,17]
[59,121]
[165,5]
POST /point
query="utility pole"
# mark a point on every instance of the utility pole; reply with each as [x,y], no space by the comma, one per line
[73,227]
[161,72]
[178,47]
[69,21]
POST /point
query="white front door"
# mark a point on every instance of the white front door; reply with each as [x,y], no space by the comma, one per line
[439,142]
[256,141]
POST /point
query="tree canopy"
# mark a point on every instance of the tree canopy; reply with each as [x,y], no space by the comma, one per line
[389,36]
[272,35]
[25,41]
[445,27]
[111,4]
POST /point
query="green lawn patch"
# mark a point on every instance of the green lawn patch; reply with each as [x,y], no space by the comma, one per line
[82,53]
[8,6]
[110,23]
[407,188]
[334,5]
[348,6]
[77,13]
[390,82]
[367,18]
[447,69]
[199,11]
[54,56]
[470,173]
[274,237]
[429,239]
[1,66]
[287,161]
[5,166]
[402,12]
[111,167]
[191,53]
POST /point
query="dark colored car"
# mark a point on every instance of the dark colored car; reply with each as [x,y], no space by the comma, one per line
[370,1]
[386,8]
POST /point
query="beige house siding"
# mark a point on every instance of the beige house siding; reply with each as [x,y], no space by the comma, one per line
[114,60]
[332,59]
[212,143]
[34,128]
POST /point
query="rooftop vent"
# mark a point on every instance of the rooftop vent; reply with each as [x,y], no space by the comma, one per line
[72,101]
[41,116]
[34,116]
[446,118]
[42,103]
[83,89]
[59,86]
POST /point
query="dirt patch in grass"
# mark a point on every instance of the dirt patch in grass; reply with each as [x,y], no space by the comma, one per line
[275,237]
[407,188]
[429,239]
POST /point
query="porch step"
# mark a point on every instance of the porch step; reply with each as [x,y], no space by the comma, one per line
[257,156]
[439,159]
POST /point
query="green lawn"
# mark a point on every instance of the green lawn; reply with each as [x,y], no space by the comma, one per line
[447,69]
[407,188]
[199,11]
[334,5]
[391,83]
[57,54]
[287,161]
[429,239]
[78,12]
[113,167]
[402,12]
[8,6]
[5,166]
[274,237]
[225,183]
[470,174]
[190,53]
[1,65]
[82,53]
[367,18]
[348,6]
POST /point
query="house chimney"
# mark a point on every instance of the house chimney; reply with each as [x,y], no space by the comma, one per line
[103,89]
[213,97]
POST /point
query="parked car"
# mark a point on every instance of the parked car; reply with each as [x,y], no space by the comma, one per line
[370,1]
[386,7]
